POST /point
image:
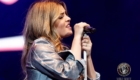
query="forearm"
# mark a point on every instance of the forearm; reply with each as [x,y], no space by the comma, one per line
[90,68]
[76,47]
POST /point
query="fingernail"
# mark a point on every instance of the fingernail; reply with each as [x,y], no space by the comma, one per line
[85,34]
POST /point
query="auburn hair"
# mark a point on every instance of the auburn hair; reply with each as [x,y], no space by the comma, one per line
[40,22]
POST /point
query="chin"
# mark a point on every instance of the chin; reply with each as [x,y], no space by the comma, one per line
[68,34]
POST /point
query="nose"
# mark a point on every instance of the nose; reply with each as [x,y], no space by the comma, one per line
[68,18]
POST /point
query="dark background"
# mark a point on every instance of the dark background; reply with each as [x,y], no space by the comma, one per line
[116,40]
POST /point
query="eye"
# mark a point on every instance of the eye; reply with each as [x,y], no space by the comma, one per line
[60,17]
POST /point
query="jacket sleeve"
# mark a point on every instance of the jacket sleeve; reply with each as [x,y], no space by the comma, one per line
[97,77]
[88,78]
[47,61]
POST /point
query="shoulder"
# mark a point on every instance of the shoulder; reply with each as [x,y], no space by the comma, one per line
[42,43]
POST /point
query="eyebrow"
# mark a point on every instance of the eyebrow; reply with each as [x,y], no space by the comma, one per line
[63,13]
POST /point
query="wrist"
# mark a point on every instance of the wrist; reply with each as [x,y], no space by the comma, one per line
[89,57]
[78,35]
[88,54]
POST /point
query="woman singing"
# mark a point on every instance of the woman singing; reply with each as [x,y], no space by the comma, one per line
[44,56]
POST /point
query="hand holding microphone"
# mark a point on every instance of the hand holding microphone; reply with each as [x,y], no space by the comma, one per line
[81,28]
[86,44]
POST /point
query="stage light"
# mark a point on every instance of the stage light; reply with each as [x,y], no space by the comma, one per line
[11,43]
[8,2]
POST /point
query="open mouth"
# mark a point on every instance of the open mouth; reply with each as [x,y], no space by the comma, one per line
[68,26]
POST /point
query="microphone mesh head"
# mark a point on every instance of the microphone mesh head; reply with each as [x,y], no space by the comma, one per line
[92,30]
[89,30]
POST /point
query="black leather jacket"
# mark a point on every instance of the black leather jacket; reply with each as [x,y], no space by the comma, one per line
[43,63]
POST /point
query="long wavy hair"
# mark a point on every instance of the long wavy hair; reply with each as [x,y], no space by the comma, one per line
[40,22]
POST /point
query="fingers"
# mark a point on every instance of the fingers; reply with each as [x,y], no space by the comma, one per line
[84,47]
[79,27]
[85,24]
[86,37]
[82,24]
[86,43]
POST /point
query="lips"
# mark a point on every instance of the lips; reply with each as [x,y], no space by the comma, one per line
[68,26]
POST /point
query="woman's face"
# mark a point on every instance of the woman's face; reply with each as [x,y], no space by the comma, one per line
[62,24]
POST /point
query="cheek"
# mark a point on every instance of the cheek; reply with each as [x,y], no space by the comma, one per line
[59,24]
[60,27]
[62,30]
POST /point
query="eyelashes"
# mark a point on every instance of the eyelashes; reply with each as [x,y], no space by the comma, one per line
[60,17]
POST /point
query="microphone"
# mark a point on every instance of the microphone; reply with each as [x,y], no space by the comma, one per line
[89,30]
